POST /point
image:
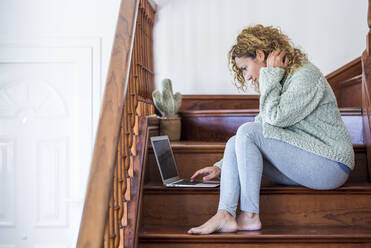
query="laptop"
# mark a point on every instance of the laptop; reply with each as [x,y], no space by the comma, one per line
[167,166]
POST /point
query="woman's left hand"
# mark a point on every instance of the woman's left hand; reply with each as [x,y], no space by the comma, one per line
[276,59]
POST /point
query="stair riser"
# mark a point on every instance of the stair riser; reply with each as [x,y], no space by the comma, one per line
[218,102]
[312,208]
[189,162]
[220,127]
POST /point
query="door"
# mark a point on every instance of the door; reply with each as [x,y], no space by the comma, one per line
[48,106]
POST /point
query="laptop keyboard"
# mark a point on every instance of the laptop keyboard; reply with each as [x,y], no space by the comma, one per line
[188,182]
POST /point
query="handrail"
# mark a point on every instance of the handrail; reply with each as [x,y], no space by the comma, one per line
[349,70]
[110,210]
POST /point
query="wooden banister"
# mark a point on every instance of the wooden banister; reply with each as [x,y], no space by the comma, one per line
[349,70]
[110,215]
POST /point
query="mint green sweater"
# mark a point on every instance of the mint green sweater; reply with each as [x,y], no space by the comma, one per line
[302,111]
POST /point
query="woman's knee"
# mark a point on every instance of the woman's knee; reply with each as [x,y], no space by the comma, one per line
[231,143]
[249,129]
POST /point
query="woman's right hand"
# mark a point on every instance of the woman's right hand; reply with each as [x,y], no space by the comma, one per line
[210,172]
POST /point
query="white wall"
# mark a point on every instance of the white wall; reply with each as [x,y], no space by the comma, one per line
[54,58]
[25,20]
[192,37]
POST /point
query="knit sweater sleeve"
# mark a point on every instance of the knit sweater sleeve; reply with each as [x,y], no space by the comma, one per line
[219,163]
[258,118]
[302,96]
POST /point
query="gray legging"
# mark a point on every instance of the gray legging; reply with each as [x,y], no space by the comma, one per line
[248,156]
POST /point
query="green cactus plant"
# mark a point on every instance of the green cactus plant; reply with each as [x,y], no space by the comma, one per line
[166,102]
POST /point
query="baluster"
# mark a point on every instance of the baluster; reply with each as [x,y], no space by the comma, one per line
[120,174]
[368,42]
[124,221]
[111,228]
[142,84]
[115,203]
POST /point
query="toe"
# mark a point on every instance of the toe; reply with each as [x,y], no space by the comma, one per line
[193,231]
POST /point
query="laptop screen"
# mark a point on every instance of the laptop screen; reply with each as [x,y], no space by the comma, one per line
[165,158]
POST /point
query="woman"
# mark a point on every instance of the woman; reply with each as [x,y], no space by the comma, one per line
[298,138]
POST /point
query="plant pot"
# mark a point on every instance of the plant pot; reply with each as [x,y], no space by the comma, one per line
[171,126]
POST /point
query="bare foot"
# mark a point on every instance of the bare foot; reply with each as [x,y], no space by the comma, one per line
[248,221]
[222,221]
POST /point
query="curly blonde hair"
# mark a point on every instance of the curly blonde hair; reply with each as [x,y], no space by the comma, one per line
[267,39]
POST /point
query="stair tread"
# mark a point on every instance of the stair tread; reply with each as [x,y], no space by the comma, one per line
[343,111]
[359,188]
[199,144]
[266,233]
[196,143]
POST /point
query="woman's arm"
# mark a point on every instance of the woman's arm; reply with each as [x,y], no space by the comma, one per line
[302,96]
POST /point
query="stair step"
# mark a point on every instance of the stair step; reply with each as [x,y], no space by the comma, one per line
[220,125]
[346,206]
[193,155]
[269,236]
[210,146]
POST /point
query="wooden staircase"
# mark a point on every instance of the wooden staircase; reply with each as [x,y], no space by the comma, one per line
[126,204]
[291,216]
